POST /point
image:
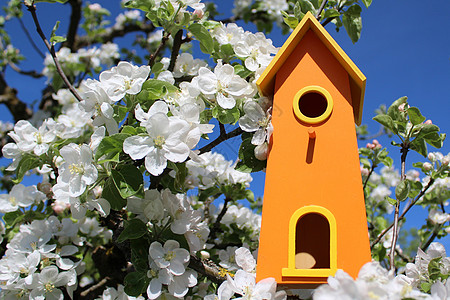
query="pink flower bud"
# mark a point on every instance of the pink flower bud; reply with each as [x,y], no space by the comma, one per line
[428,122]
[364,171]
[401,107]
[376,144]
[59,207]
[445,161]
[95,7]
[427,166]
[198,13]
[431,157]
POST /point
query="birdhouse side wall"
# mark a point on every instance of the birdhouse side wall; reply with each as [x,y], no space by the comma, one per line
[329,178]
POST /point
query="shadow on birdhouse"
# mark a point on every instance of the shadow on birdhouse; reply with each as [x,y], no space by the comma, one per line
[313,220]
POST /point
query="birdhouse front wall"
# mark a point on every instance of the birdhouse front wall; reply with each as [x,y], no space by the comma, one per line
[313,165]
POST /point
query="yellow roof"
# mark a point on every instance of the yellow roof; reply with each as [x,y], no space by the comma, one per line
[266,82]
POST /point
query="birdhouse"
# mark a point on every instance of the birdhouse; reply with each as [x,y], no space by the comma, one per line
[313,218]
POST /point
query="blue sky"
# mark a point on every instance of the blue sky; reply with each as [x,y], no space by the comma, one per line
[404,50]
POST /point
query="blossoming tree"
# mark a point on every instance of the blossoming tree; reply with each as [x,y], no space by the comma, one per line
[132,202]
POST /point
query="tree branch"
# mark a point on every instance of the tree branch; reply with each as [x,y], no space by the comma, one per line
[177,41]
[410,205]
[30,39]
[111,33]
[208,268]
[404,152]
[236,132]
[33,73]
[153,56]
[8,96]
[322,6]
[215,228]
[75,18]
[51,48]
[94,287]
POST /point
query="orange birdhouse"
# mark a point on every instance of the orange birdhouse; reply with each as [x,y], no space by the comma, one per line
[313,219]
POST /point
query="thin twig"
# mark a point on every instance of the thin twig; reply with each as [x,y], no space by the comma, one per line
[153,56]
[94,287]
[111,33]
[27,33]
[368,176]
[216,226]
[410,205]
[33,73]
[51,48]
[436,230]
[322,6]
[404,152]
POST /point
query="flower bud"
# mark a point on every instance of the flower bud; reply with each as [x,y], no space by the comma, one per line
[445,161]
[431,157]
[401,107]
[427,166]
[428,122]
[364,171]
[261,151]
[199,13]
[205,254]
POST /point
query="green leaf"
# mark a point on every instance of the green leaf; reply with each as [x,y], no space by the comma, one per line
[144,5]
[419,145]
[54,38]
[387,122]
[154,89]
[291,21]
[331,13]
[352,22]
[248,162]
[128,180]
[136,283]
[26,163]
[367,3]
[402,190]
[393,111]
[50,1]
[157,68]
[139,254]
[203,36]
[134,229]
[111,146]
[13,217]
[242,71]
[226,116]
[415,116]
[390,200]
[437,143]
[426,286]
[307,6]
[112,194]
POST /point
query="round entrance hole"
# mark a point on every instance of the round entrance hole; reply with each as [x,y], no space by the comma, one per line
[312,104]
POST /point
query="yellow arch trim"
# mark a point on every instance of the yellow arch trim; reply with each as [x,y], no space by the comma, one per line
[315,89]
[291,271]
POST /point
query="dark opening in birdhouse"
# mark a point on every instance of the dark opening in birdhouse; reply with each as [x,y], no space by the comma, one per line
[312,104]
[312,242]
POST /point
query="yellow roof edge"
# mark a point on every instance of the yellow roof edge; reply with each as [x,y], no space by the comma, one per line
[265,82]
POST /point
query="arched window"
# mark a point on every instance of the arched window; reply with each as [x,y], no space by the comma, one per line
[312,243]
